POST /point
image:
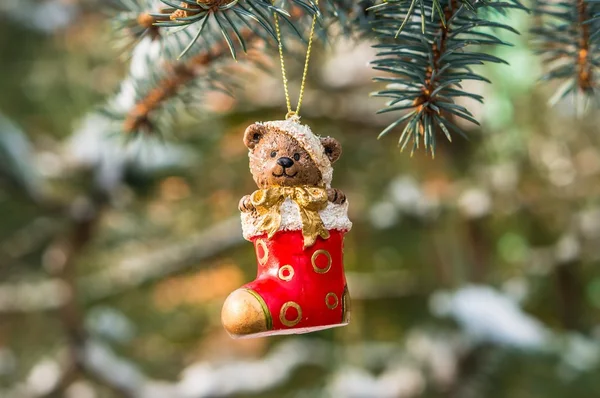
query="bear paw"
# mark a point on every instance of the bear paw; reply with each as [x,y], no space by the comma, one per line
[336,196]
[246,205]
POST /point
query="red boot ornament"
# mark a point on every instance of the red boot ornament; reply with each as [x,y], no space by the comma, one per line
[297,223]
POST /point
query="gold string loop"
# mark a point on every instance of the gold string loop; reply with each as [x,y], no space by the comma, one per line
[290,112]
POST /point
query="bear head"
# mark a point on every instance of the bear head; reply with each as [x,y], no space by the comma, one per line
[278,159]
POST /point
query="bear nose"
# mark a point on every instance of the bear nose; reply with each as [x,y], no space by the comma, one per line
[285,162]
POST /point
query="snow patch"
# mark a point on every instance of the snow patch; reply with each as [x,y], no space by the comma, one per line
[489,316]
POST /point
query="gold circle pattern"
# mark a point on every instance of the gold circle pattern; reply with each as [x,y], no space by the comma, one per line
[313,260]
[262,259]
[284,308]
[335,303]
[290,273]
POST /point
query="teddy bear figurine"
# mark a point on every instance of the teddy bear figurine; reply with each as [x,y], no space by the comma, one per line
[297,223]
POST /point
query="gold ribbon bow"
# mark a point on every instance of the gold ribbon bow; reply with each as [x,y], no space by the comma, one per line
[310,201]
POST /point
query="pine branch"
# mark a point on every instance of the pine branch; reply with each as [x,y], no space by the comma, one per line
[221,26]
[426,60]
[229,15]
[568,39]
[178,76]
[159,85]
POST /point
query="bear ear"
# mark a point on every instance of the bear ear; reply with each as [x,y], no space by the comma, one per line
[254,133]
[333,149]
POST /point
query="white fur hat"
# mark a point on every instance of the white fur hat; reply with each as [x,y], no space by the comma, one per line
[307,140]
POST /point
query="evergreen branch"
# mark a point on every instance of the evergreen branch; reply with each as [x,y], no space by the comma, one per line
[421,5]
[178,75]
[566,37]
[153,92]
[150,98]
[427,62]
[223,13]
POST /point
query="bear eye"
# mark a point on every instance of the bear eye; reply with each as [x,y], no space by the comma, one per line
[296,156]
[273,154]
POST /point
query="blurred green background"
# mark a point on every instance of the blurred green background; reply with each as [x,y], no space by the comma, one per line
[473,275]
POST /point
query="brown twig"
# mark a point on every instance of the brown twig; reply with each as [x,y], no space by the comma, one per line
[430,84]
[584,67]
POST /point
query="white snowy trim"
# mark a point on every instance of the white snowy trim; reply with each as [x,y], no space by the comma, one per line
[307,140]
[334,217]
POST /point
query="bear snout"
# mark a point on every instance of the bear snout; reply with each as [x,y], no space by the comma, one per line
[285,162]
[285,170]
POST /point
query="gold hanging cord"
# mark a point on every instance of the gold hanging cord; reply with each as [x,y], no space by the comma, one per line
[290,112]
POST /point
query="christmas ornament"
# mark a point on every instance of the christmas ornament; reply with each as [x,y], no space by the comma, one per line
[297,223]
